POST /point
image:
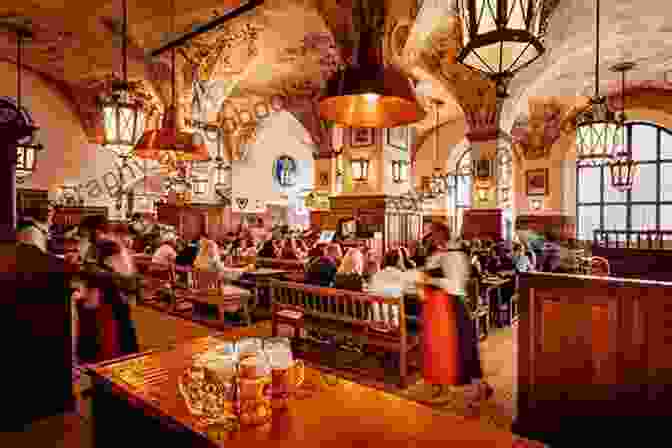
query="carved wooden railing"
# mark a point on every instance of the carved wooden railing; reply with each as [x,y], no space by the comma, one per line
[633,239]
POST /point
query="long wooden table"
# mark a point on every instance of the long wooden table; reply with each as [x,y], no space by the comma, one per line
[340,413]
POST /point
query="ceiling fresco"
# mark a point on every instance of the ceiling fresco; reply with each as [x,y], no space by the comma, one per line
[278,56]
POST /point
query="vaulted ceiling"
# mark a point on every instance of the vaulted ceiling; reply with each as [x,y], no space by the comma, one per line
[291,46]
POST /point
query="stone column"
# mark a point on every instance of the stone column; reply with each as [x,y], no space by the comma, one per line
[8,201]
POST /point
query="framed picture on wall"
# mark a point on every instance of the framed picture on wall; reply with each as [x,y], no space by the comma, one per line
[361,137]
[398,138]
[536,182]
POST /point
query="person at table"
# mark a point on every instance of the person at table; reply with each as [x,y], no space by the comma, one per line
[267,249]
[405,259]
[290,251]
[322,270]
[187,254]
[493,263]
[166,253]
[335,251]
[350,273]
[248,248]
[451,352]
[521,262]
[391,281]
[208,258]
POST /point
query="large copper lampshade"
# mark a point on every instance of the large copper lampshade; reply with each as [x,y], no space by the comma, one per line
[369,94]
[188,146]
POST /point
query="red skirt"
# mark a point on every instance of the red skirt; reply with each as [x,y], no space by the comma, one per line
[440,338]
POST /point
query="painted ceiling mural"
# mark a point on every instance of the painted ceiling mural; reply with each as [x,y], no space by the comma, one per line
[246,70]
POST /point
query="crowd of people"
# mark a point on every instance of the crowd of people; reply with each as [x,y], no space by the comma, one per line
[437,267]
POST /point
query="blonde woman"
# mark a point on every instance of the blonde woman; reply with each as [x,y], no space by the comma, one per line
[208,258]
[349,274]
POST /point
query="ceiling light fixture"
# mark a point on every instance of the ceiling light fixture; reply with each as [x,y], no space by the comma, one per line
[186,146]
[622,168]
[123,118]
[597,129]
[367,93]
[501,37]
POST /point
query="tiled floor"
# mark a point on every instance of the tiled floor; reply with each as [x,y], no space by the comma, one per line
[157,329]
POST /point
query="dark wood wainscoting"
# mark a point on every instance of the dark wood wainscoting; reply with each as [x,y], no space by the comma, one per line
[593,358]
[647,264]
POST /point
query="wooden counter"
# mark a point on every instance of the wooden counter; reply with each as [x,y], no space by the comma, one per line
[593,357]
[326,414]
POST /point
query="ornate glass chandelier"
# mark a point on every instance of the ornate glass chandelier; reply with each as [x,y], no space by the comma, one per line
[123,117]
[597,129]
[622,168]
[501,37]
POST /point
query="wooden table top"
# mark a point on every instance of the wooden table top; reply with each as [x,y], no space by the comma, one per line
[325,413]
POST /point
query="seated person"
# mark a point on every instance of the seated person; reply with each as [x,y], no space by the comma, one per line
[321,271]
[247,248]
[493,262]
[208,258]
[267,249]
[390,282]
[187,255]
[166,253]
[350,273]
[521,262]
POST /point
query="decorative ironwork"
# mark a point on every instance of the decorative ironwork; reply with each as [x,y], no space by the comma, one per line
[501,37]
[598,132]
[123,117]
[622,168]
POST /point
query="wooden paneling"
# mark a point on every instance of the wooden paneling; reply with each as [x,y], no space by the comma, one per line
[190,221]
[482,223]
[592,349]
[72,216]
[30,199]
[647,264]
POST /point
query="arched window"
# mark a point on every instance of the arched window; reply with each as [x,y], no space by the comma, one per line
[648,206]
[285,171]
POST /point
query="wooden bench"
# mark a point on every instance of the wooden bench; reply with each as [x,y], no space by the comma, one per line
[209,290]
[342,313]
[285,265]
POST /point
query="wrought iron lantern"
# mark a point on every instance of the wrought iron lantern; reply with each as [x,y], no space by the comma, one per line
[482,188]
[536,203]
[399,171]
[16,124]
[501,37]
[123,117]
[598,132]
[622,168]
[360,170]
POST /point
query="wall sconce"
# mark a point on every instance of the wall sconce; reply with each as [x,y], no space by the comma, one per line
[399,171]
[482,169]
[200,185]
[536,203]
[69,196]
[360,170]
[482,189]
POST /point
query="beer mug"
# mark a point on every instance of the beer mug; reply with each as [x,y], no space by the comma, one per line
[208,389]
[254,383]
[287,374]
[248,347]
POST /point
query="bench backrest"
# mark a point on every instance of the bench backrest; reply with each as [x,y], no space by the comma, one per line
[334,304]
[285,265]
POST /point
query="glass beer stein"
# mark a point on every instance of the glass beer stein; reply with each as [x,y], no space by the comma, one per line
[254,394]
[287,374]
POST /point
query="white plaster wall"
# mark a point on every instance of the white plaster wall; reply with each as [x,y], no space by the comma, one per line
[279,135]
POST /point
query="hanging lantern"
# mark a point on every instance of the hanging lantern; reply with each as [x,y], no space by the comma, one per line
[598,132]
[500,37]
[123,118]
[622,168]
[360,170]
[482,189]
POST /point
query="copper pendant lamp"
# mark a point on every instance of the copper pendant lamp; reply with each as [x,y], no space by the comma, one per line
[186,146]
[368,94]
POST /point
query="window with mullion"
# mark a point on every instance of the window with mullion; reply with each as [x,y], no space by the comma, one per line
[645,206]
